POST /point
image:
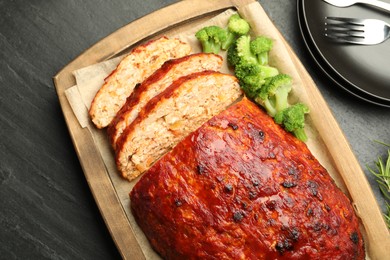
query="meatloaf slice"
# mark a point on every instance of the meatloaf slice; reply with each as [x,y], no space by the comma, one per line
[155,84]
[186,104]
[140,63]
[240,187]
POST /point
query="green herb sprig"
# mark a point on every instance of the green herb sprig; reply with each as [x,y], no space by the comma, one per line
[387,215]
[382,173]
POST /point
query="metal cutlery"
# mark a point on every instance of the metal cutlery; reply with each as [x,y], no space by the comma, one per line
[358,31]
[346,3]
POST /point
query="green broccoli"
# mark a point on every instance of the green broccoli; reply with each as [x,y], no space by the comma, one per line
[293,120]
[267,72]
[211,38]
[273,95]
[236,27]
[243,49]
[261,47]
[256,49]
[252,76]
[244,69]
[232,55]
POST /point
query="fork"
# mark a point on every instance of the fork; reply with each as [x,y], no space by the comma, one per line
[358,31]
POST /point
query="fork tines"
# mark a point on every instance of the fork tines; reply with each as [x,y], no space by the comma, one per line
[358,31]
[344,29]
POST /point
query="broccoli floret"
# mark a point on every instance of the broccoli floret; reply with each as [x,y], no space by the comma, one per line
[230,39]
[232,55]
[211,38]
[273,95]
[245,69]
[253,50]
[261,47]
[252,76]
[293,120]
[236,27]
[249,74]
[244,50]
[268,71]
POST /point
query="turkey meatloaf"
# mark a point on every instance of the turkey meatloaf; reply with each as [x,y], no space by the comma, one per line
[168,117]
[240,187]
[155,84]
[140,63]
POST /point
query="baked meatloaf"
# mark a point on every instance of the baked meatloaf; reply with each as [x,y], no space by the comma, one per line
[170,71]
[240,187]
[139,64]
[170,116]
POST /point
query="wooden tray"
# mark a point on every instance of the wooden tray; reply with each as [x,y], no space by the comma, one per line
[181,15]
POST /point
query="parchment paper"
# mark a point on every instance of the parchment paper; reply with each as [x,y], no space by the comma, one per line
[91,78]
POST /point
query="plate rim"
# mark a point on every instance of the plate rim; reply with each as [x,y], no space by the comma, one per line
[326,66]
[328,70]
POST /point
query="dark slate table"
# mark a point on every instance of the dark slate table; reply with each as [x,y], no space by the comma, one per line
[46,208]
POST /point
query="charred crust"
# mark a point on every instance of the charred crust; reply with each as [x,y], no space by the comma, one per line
[137,86]
[200,169]
[313,189]
[238,216]
[271,205]
[320,226]
[310,212]
[228,188]
[294,234]
[252,195]
[255,183]
[283,246]
[233,126]
[261,134]
[354,237]
[288,184]
[178,202]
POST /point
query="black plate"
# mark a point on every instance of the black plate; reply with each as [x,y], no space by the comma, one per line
[363,71]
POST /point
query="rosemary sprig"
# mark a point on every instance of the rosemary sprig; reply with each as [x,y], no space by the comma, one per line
[387,215]
[382,172]
[383,175]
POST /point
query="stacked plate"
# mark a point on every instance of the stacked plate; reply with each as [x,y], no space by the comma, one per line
[362,70]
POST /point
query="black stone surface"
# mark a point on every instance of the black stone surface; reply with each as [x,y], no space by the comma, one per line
[46,208]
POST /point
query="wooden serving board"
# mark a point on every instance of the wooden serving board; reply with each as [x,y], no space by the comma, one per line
[177,17]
